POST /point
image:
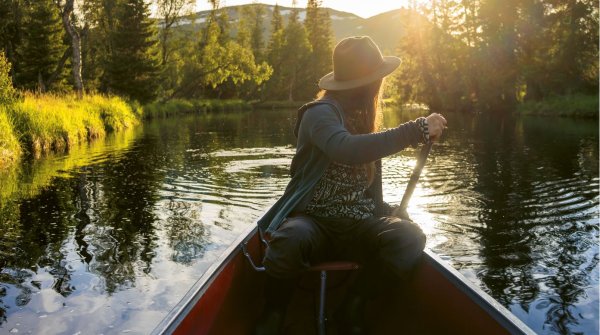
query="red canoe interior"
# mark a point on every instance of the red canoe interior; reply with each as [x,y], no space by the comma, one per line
[229,301]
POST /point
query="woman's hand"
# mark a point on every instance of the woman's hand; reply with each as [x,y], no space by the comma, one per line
[436,124]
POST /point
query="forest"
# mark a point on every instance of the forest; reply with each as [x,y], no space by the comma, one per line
[483,55]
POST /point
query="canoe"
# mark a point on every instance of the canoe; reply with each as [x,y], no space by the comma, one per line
[227,299]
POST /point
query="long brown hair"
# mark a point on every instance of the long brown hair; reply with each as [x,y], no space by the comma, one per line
[361,111]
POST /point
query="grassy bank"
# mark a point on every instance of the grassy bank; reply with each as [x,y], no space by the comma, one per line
[44,123]
[10,149]
[181,106]
[576,105]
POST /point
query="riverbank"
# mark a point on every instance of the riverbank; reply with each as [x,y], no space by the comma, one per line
[39,124]
[183,106]
[10,149]
[575,105]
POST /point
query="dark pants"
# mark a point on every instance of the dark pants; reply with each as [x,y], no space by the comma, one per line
[378,243]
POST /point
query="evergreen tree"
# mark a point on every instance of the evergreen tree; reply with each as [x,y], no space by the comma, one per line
[276,20]
[492,54]
[42,52]
[532,47]
[498,25]
[275,87]
[414,80]
[573,52]
[320,37]
[257,31]
[243,28]
[133,63]
[10,28]
[295,67]
[96,44]
[251,30]
[224,25]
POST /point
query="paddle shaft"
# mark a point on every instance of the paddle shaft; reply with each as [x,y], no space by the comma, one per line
[414,178]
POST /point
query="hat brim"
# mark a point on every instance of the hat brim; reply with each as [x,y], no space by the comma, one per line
[389,64]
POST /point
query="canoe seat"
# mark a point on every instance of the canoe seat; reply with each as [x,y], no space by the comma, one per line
[323,268]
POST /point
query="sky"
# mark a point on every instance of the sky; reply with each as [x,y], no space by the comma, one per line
[362,8]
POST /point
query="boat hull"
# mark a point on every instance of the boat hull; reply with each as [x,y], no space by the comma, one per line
[437,300]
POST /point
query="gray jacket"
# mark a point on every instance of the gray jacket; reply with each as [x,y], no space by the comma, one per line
[322,138]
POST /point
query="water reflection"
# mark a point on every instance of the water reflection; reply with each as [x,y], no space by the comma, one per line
[187,234]
[110,241]
[537,237]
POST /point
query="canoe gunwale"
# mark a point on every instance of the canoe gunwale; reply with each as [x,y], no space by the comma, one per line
[174,318]
[496,310]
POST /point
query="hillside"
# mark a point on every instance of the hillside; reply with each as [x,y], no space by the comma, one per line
[385,28]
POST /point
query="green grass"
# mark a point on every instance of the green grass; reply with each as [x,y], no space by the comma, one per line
[182,106]
[575,105]
[10,149]
[47,123]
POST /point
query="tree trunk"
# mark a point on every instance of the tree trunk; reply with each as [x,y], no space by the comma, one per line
[75,47]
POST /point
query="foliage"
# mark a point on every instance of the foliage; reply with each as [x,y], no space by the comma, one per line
[133,64]
[10,28]
[251,30]
[575,105]
[49,122]
[320,37]
[295,58]
[183,106]
[212,63]
[9,144]
[7,91]
[489,56]
[42,51]
[171,13]
[480,55]
[275,87]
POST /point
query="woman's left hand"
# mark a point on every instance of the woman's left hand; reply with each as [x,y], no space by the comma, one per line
[436,124]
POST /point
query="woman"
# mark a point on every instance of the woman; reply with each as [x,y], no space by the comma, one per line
[333,206]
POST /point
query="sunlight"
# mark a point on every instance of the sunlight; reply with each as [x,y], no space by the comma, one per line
[364,9]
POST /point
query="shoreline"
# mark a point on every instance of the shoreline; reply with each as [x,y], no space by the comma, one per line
[42,124]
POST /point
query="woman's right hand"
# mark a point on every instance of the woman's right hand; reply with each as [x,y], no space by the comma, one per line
[436,124]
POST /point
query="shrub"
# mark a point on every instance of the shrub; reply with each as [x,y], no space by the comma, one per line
[7,91]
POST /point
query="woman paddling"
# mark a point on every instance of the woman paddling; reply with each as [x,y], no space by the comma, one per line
[333,207]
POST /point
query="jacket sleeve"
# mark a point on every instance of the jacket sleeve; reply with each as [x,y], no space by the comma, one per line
[322,125]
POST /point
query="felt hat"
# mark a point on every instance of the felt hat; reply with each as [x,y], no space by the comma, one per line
[357,61]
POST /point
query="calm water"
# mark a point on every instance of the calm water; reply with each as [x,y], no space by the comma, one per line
[109,238]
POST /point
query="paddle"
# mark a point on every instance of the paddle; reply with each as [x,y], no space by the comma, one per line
[412,183]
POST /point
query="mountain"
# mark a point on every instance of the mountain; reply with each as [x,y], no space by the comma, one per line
[386,28]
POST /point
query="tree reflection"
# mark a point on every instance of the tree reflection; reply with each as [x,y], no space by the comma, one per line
[123,237]
[528,216]
[37,228]
[187,234]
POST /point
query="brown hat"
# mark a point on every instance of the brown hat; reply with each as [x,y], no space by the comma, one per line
[357,61]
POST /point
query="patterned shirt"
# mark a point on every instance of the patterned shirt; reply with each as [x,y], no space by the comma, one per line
[341,193]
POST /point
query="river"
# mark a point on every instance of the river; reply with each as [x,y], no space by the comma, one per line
[110,237]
